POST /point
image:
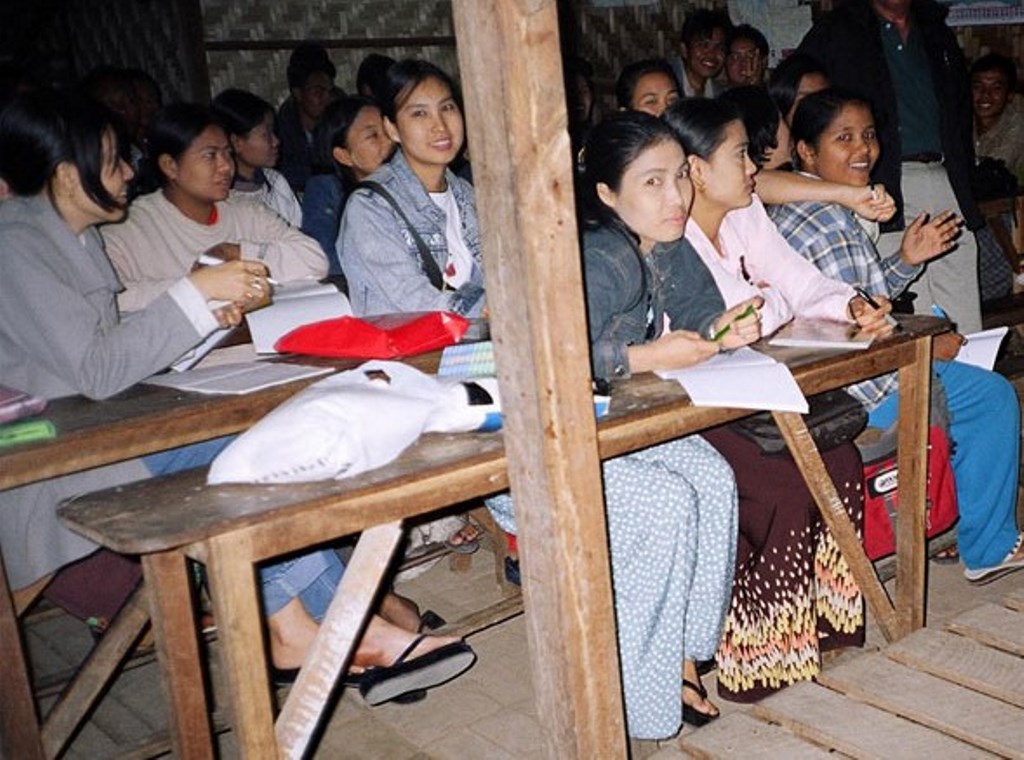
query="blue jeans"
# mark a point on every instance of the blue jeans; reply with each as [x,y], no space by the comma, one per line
[985,431]
[313,577]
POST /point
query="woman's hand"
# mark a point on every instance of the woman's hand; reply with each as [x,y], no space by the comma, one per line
[870,319]
[674,350]
[946,346]
[926,238]
[741,324]
[871,202]
[243,283]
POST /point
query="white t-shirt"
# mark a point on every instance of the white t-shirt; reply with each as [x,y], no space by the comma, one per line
[459,266]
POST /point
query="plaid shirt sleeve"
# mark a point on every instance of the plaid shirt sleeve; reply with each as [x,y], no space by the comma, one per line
[829,236]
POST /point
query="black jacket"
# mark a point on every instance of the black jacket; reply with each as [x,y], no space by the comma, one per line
[847,42]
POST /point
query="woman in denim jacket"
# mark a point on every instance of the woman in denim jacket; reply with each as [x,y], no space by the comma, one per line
[671,508]
[380,254]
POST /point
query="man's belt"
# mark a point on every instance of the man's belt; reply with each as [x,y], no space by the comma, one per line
[925,157]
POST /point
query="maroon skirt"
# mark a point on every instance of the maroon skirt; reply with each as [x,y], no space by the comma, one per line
[793,596]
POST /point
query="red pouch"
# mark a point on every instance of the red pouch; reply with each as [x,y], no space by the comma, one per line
[389,336]
[881,499]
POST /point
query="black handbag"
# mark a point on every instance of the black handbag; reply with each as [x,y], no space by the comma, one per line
[835,417]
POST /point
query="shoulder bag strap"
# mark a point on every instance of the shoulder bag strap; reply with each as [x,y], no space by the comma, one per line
[427,263]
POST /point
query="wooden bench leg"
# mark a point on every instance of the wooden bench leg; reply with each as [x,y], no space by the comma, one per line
[236,606]
[19,726]
[336,642]
[169,584]
[96,672]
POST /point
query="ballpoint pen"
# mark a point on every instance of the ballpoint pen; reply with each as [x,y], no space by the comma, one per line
[889,318]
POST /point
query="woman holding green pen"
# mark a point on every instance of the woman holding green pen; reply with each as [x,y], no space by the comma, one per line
[671,508]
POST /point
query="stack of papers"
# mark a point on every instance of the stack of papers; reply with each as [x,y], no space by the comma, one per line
[819,333]
[741,379]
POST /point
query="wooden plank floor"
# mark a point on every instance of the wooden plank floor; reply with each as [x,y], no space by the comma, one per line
[955,692]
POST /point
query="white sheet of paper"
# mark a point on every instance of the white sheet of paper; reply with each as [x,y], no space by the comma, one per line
[981,347]
[295,304]
[742,379]
[233,379]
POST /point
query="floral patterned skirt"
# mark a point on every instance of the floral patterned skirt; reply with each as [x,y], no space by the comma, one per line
[793,596]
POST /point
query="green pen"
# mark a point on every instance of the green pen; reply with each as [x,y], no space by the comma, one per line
[26,432]
[749,311]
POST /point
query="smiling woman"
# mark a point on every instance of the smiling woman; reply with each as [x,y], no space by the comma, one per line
[168,230]
[410,242]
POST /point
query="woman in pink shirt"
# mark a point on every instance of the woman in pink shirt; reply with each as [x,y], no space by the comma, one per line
[793,596]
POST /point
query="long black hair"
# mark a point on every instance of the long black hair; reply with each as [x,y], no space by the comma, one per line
[784,83]
[240,111]
[700,123]
[41,130]
[613,145]
[761,118]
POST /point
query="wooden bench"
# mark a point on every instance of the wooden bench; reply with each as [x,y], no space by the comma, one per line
[176,518]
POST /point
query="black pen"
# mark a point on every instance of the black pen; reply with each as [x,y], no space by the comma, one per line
[889,318]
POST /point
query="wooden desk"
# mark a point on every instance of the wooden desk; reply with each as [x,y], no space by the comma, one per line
[232,527]
[140,421]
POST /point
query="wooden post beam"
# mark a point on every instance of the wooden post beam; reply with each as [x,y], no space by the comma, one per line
[511,73]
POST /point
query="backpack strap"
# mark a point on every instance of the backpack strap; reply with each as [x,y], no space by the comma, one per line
[427,263]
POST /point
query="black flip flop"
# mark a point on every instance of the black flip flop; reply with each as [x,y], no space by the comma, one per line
[691,714]
[383,684]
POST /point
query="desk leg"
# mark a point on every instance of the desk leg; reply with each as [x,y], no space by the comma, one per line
[98,670]
[236,605]
[169,583]
[337,639]
[805,454]
[19,726]
[915,387]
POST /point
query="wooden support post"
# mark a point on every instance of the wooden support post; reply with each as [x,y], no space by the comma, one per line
[236,605]
[169,586]
[911,560]
[19,726]
[511,73]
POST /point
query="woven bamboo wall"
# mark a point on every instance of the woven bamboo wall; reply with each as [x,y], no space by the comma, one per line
[263,71]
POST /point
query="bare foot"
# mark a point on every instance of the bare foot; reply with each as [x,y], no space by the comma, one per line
[401,611]
[466,536]
[384,642]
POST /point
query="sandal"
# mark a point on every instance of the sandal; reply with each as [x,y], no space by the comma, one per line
[948,556]
[691,714]
[983,575]
[466,540]
[386,683]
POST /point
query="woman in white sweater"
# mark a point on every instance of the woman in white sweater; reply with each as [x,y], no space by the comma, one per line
[167,231]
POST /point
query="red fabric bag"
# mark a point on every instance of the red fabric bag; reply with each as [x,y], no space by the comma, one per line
[389,336]
[881,500]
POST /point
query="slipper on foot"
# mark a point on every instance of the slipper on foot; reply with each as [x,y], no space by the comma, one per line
[691,714]
[982,575]
[463,545]
[383,684]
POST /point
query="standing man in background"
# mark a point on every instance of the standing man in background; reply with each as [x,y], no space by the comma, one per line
[311,83]
[901,57]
